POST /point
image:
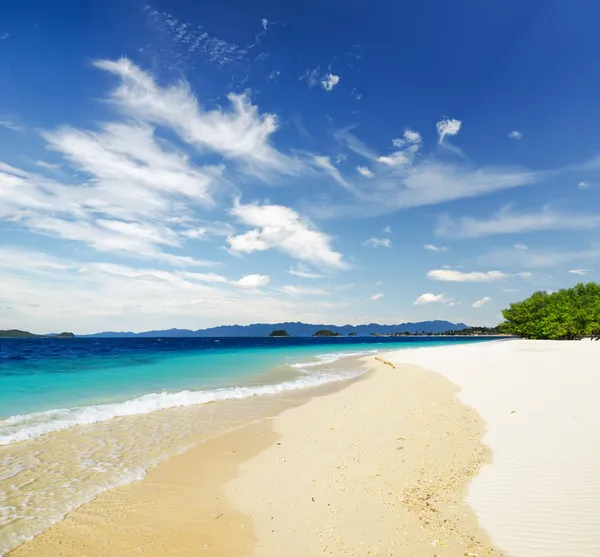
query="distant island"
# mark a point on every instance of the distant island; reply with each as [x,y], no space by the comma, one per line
[278,333]
[16,333]
[294,329]
[327,333]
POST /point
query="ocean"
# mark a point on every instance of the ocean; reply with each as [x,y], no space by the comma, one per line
[80,416]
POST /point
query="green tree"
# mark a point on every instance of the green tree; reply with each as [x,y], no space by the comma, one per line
[568,314]
[279,333]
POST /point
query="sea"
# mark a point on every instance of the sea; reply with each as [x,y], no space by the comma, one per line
[81,416]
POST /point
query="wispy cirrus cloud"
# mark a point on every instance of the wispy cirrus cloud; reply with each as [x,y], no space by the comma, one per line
[579,272]
[137,298]
[303,272]
[346,138]
[134,186]
[325,164]
[401,182]
[431,247]
[241,133]
[451,275]
[378,243]
[9,124]
[376,297]
[507,221]
[303,291]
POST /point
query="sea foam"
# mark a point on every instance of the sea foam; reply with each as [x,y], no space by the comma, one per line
[324,359]
[21,428]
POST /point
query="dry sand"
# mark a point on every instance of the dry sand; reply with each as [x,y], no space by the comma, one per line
[377,468]
[540,497]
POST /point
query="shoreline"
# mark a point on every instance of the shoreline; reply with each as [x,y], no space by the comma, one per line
[205,501]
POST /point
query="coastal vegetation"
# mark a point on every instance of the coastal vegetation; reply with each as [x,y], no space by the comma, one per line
[278,333]
[568,314]
[16,333]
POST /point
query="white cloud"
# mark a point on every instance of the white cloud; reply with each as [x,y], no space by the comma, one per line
[303,291]
[282,228]
[241,133]
[427,183]
[412,136]
[481,302]
[433,183]
[134,186]
[302,272]
[522,247]
[387,230]
[508,222]
[330,81]
[585,186]
[364,171]
[448,275]
[430,298]
[265,23]
[191,41]
[131,298]
[378,242]
[398,158]
[47,165]
[447,127]
[408,147]
[431,247]
[350,141]
[579,272]
[252,282]
[515,134]
[377,296]
[325,164]
[8,124]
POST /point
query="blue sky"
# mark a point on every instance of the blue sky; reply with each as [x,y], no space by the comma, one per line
[186,164]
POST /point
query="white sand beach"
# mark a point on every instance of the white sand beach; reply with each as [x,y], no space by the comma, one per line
[540,495]
[396,463]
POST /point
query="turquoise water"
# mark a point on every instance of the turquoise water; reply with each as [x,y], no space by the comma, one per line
[41,375]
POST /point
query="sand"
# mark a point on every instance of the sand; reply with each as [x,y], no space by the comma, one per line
[540,496]
[379,467]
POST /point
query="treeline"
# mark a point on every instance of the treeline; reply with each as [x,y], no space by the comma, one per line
[569,314]
[469,331]
[474,331]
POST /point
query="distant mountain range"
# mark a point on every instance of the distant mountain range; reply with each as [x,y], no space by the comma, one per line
[294,330]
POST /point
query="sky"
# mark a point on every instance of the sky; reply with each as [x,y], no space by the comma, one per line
[190,164]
